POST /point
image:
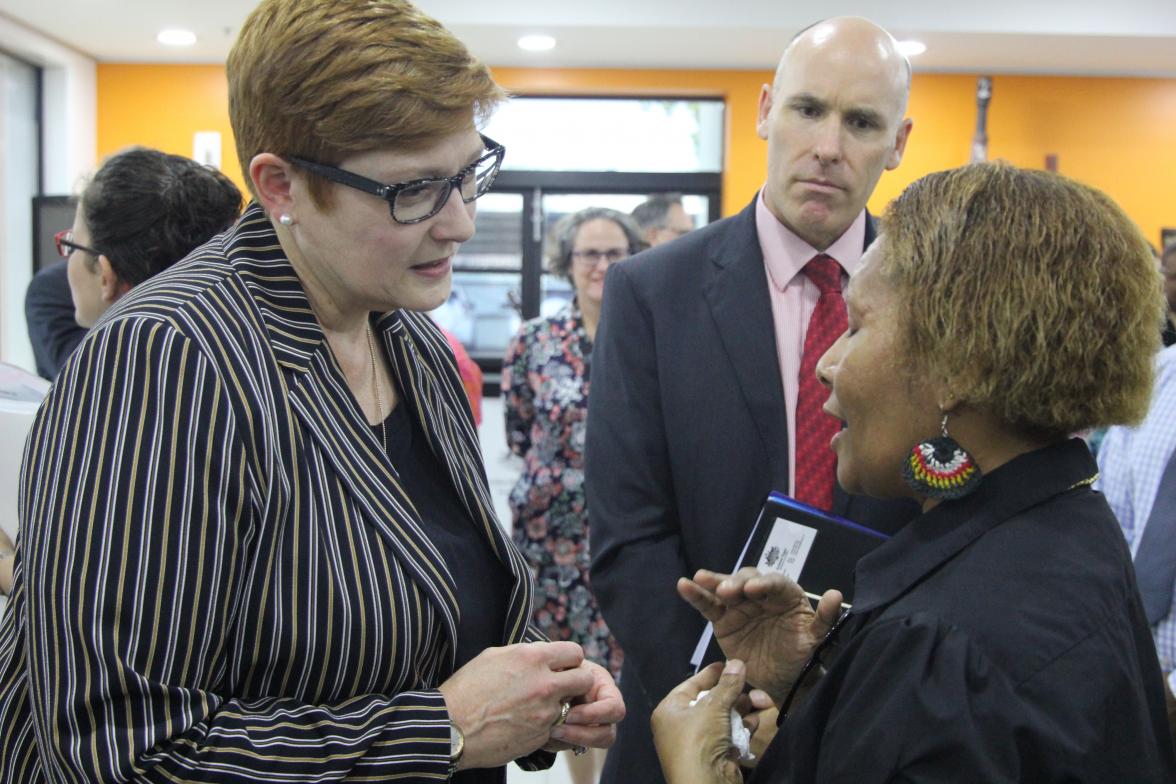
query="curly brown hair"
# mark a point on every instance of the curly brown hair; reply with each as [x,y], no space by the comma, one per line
[561,239]
[324,79]
[1030,295]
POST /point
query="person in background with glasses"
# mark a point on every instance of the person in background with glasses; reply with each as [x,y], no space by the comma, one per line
[145,209]
[142,211]
[259,544]
[545,401]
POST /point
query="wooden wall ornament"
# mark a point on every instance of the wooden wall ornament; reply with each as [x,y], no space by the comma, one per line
[980,137]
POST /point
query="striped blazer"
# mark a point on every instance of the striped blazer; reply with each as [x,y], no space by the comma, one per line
[220,577]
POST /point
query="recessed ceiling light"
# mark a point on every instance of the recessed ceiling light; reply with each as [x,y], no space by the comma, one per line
[912,48]
[176,37]
[536,43]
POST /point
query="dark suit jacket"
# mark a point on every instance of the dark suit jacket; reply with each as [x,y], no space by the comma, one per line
[219,574]
[686,436]
[49,313]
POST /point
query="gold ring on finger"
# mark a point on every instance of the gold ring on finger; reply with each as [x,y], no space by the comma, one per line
[563,714]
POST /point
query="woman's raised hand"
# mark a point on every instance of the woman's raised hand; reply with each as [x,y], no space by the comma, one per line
[507,700]
[764,619]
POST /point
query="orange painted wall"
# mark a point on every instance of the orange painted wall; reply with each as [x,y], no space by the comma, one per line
[162,106]
[1115,134]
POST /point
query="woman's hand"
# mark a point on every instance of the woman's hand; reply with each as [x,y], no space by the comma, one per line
[506,701]
[694,741]
[763,619]
[592,721]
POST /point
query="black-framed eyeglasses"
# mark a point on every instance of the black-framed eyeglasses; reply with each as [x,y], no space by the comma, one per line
[65,244]
[594,256]
[418,200]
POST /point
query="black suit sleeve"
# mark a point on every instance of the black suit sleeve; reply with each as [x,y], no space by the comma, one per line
[634,528]
[49,313]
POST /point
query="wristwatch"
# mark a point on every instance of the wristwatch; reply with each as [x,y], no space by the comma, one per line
[456,746]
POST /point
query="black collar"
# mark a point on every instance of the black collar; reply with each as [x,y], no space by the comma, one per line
[931,539]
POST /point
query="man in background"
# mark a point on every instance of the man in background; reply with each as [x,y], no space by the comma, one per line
[704,395]
[1137,474]
[662,218]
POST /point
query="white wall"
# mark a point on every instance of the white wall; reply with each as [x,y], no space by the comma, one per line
[68,144]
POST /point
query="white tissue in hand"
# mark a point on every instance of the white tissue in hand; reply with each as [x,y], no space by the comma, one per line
[740,735]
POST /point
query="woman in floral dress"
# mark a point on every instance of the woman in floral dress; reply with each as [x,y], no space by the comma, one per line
[545,395]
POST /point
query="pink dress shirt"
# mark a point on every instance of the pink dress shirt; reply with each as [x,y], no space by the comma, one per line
[794,297]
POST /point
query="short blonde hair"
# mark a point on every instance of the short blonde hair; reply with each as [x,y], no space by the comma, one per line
[1031,295]
[324,79]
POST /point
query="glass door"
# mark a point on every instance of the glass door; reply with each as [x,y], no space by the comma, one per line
[484,307]
[499,277]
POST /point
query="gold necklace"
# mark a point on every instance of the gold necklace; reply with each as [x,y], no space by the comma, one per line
[376,387]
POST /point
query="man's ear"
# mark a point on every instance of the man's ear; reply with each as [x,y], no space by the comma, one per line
[900,143]
[765,107]
[271,180]
[113,286]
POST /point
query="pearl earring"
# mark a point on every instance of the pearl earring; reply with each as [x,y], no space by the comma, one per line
[285,220]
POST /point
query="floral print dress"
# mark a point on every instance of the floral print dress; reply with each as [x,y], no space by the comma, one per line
[545,397]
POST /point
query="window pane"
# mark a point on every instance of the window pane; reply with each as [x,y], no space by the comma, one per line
[556,292]
[482,309]
[498,240]
[19,156]
[610,134]
[555,206]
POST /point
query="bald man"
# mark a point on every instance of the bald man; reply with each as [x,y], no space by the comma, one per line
[701,376]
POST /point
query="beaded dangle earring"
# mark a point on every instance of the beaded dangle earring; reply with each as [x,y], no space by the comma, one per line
[941,468]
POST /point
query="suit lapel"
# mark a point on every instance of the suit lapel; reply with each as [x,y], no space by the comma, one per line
[737,294]
[319,398]
[328,412]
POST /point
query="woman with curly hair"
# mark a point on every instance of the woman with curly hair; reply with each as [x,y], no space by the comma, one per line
[545,396]
[1000,636]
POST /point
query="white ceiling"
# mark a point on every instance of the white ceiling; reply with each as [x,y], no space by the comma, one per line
[1082,37]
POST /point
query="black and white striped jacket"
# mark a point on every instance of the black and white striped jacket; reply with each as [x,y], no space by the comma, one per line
[219,576]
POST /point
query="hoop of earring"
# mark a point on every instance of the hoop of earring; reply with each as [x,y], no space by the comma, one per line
[941,468]
[285,220]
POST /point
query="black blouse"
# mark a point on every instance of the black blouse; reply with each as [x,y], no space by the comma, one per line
[997,638]
[483,583]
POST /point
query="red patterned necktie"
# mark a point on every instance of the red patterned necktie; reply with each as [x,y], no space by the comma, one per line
[816,464]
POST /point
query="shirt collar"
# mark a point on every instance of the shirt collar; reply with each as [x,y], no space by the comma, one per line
[933,538]
[785,254]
